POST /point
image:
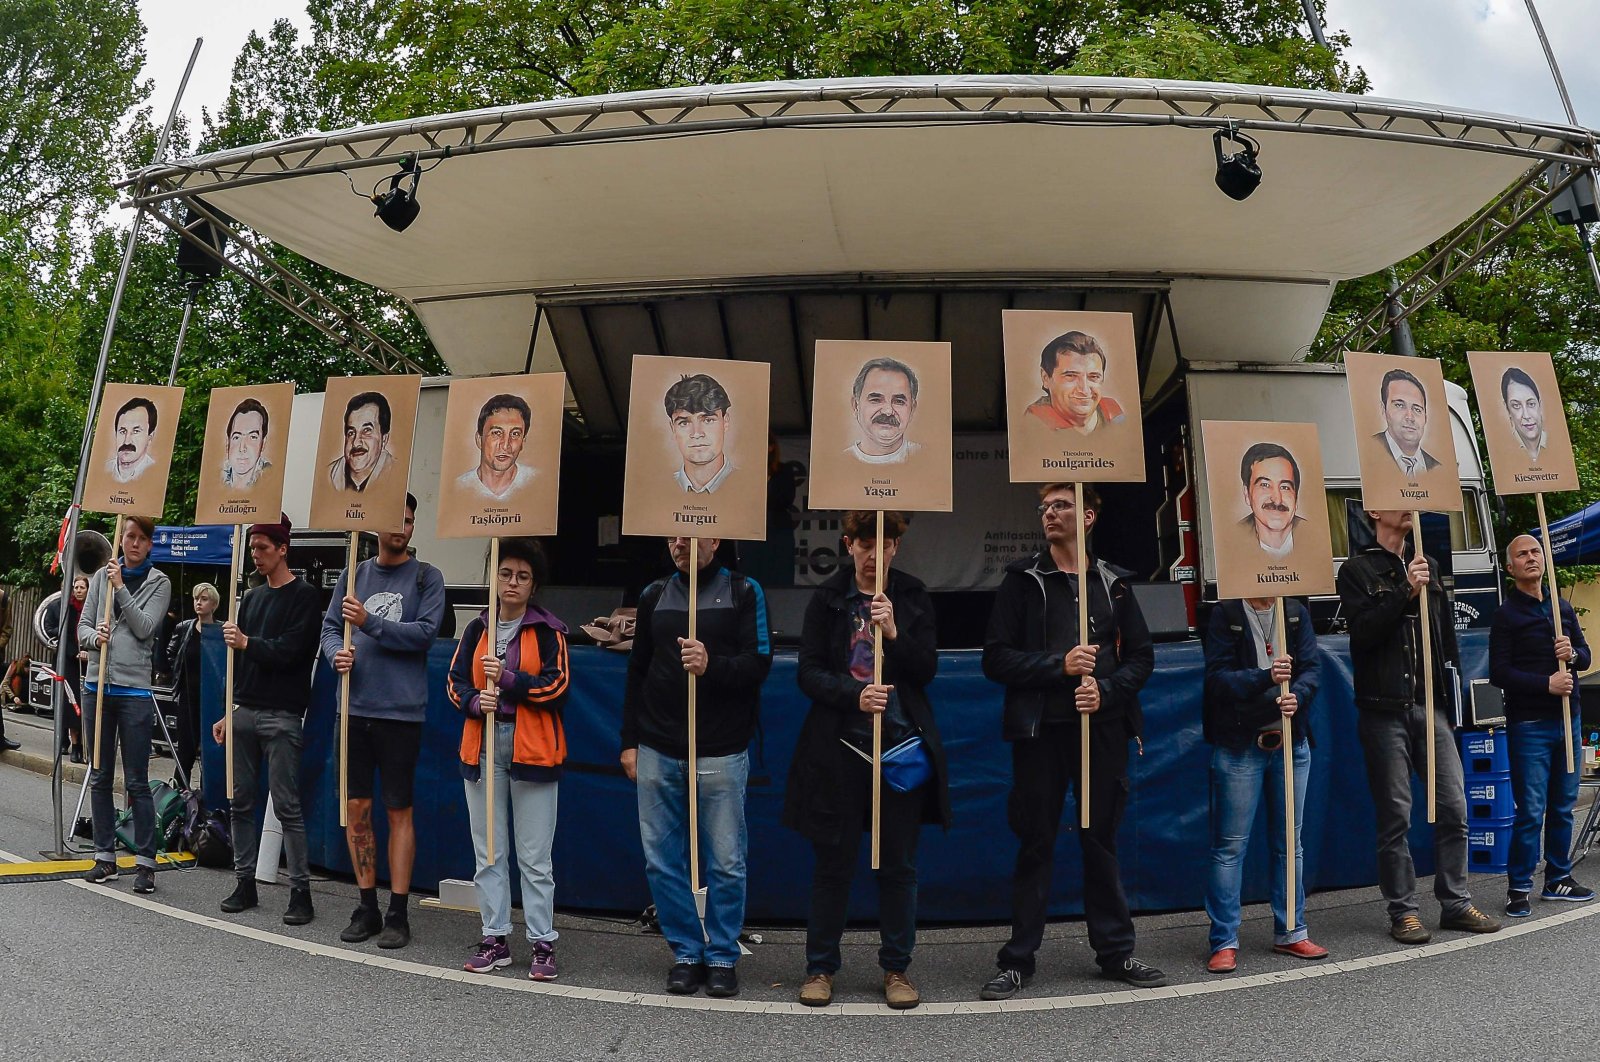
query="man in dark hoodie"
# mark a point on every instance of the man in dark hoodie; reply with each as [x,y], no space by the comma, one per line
[730,659]
[275,644]
[1032,648]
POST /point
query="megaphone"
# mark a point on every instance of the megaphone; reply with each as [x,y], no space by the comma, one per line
[91,550]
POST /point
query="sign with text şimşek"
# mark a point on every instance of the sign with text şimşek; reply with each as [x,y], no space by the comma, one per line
[881,426]
[697,448]
[1404,441]
[1072,397]
[241,459]
[131,454]
[501,469]
[1524,422]
[364,453]
[1269,509]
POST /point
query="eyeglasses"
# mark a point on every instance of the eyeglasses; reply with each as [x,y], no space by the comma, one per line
[515,578]
[1053,507]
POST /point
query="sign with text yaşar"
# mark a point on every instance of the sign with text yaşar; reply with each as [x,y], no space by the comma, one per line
[241,460]
[501,469]
[1404,441]
[364,453]
[131,454]
[1524,422]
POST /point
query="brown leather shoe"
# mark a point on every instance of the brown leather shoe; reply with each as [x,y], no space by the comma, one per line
[1223,960]
[817,991]
[899,991]
[1408,929]
[1302,949]
[1471,920]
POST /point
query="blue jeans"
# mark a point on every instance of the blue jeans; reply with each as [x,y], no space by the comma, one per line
[664,828]
[1545,794]
[533,807]
[130,722]
[1237,777]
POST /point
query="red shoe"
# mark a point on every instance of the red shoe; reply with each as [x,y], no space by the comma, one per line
[1302,949]
[1224,960]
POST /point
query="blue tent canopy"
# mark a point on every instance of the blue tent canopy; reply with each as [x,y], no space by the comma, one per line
[207,544]
[1575,539]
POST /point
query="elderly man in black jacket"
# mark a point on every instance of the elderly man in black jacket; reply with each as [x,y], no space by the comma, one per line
[1033,649]
[829,798]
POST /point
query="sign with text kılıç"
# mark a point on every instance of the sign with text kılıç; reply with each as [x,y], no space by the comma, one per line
[881,426]
[1524,422]
[1269,509]
[364,453]
[1072,397]
[697,448]
[1404,441]
[132,449]
[502,456]
[241,461]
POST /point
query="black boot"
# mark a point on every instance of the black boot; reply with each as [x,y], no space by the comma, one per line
[242,898]
[300,911]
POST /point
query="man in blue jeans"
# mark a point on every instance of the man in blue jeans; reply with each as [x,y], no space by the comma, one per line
[729,659]
[1524,647]
[1243,715]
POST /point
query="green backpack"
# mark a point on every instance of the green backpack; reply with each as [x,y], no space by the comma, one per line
[169,806]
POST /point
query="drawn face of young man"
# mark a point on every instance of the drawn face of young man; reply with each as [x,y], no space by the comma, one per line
[700,437]
[1273,496]
[364,441]
[1074,386]
[1527,415]
[500,444]
[1405,414]
[133,439]
[884,411]
[247,436]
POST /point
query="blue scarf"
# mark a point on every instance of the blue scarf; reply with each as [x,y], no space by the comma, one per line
[140,570]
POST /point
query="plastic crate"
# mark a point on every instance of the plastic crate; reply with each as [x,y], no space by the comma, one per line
[1489,800]
[1485,752]
[1488,845]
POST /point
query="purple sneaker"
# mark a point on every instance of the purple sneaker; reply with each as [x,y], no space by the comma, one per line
[543,967]
[490,954]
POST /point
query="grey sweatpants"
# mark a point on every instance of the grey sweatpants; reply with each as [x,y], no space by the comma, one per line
[279,736]
[1395,745]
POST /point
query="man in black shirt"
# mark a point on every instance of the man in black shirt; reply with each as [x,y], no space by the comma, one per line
[275,639]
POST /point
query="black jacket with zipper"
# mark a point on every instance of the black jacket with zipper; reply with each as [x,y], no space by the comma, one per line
[1018,652]
[1384,621]
[1240,696]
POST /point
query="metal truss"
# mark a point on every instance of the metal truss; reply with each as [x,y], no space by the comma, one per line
[245,258]
[861,103]
[1470,245]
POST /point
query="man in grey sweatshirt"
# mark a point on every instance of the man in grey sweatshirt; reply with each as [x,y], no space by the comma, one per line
[394,615]
[139,593]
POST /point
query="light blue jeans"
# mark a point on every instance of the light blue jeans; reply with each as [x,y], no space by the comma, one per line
[1545,795]
[1237,779]
[532,806]
[664,828]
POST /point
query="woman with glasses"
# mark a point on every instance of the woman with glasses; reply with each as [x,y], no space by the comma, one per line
[511,684]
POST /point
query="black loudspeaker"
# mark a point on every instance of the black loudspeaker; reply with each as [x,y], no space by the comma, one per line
[198,234]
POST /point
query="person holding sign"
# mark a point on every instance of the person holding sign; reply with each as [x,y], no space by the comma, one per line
[829,796]
[1524,651]
[138,593]
[1052,676]
[275,641]
[394,621]
[526,665]
[1244,710]
[1380,594]
[729,658]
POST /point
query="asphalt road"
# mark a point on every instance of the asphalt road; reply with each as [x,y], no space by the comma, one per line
[89,975]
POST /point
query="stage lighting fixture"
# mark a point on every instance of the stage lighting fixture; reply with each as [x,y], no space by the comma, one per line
[1237,175]
[197,233]
[398,207]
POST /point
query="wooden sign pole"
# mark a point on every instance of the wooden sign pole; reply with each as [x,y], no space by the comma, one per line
[1288,779]
[877,717]
[227,682]
[1555,618]
[105,649]
[1427,667]
[1083,639]
[344,692]
[491,700]
[694,778]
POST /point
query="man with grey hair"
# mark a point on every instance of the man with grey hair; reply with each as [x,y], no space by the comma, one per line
[884,399]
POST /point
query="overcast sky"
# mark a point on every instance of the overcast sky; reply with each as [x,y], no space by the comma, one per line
[1471,54]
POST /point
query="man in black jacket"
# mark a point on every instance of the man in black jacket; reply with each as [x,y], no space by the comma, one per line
[1524,648]
[275,646]
[1379,594]
[1032,648]
[730,659]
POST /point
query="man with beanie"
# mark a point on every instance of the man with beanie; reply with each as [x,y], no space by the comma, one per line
[393,622]
[139,595]
[275,641]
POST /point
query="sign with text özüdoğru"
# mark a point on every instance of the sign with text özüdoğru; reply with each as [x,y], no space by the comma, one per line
[241,461]
[364,453]
[131,454]
[1404,442]
[697,448]
[1524,422]
[881,426]
[501,466]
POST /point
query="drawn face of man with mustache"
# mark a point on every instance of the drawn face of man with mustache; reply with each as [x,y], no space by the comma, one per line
[884,411]
[364,441]
[133,427]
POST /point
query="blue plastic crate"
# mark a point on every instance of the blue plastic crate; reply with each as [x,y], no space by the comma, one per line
[1485,752]
[1488,845]
[1489,800]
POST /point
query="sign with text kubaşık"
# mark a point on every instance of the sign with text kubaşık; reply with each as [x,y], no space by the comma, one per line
[131,454]
[1524,422]
[697,448]
[364,453]
[501,467]
[1404,440]
[881,426]
[241,460]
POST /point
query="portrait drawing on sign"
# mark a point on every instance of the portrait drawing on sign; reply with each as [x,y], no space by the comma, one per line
[503,424]
[1072,372]
[1405,416]
[246,452]
[1270,476]
[366,456]
[133,427]
[1525,410]
[883,401]
[699,411]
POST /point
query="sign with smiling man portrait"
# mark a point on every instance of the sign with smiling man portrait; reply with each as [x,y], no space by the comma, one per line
[364,453]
